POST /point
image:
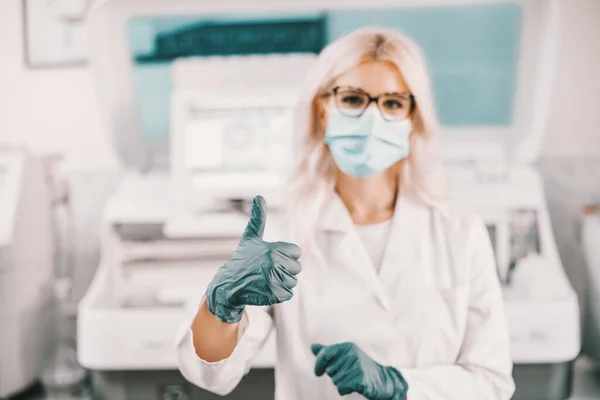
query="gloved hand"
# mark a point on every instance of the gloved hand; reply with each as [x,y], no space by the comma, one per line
[258,273]
[352,371]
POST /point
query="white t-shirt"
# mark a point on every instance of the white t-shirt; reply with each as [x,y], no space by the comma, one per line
[374,237]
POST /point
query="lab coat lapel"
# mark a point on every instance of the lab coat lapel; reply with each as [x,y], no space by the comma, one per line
[343,244]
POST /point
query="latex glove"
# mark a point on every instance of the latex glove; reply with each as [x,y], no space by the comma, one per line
[258,274]
[352,371]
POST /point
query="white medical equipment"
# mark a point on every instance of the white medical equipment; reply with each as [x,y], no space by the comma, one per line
[26,269]
[172,221]
[590,242]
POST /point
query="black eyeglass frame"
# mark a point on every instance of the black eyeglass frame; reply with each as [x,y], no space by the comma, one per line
[372,99]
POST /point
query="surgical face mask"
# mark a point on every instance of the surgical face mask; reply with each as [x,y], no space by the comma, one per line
[367,145]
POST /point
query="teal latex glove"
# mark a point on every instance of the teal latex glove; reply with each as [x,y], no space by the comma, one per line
[352,371]
[258,274]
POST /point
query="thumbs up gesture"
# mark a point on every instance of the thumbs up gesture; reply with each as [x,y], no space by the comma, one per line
[258,274]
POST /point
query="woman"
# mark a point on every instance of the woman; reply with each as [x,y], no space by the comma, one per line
[398,295]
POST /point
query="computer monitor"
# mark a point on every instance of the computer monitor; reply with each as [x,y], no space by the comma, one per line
[232,126]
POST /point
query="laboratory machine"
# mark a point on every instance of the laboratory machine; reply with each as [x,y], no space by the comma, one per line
[26,269]
[590,242]
[198,98]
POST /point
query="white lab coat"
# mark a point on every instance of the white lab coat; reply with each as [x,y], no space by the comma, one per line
[434,312]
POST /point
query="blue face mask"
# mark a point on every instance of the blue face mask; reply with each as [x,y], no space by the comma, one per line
[367,145]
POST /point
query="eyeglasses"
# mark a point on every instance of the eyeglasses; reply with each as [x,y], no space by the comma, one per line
[353,103]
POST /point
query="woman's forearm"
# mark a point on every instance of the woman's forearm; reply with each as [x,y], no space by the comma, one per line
[213,340]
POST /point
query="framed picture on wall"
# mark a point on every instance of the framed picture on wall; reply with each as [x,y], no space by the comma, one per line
[54,34]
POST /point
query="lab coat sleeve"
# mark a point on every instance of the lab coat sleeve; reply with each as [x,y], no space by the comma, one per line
[255,328]
[483,369]
[223,376]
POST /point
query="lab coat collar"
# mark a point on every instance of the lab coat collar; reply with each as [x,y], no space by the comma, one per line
[336,220]
[335,217]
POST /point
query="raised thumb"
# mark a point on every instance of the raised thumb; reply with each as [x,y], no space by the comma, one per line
[316,348]
[258,219]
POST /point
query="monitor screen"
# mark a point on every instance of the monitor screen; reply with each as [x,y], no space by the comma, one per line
[248,140]
[472,52]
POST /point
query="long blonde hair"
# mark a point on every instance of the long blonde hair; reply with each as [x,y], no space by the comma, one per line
[312,181]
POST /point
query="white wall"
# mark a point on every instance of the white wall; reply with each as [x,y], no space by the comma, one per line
[54,111]
[574,126]
[48,110]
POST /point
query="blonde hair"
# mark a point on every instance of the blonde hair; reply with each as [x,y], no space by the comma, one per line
[312,181]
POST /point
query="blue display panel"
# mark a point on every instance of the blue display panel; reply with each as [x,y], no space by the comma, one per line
[472,52]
